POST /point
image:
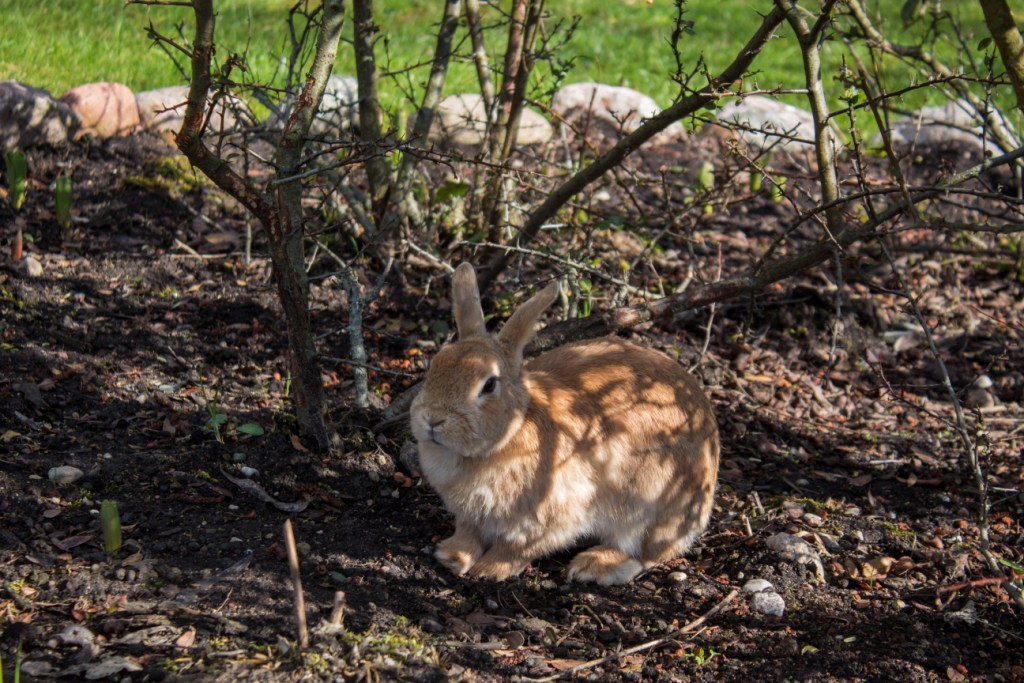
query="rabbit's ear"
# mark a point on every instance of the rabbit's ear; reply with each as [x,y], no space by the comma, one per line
[518,331]
[469,315]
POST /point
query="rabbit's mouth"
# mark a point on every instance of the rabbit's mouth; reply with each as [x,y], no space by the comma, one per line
[433,435]
[430,431]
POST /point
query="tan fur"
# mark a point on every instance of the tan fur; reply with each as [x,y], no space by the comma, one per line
[602,439]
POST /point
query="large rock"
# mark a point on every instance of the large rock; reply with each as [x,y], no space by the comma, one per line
[764,123]
[106,109]
[462,120]
[339,109]
[163,109]
[624,108]
[944,125]
[30,117]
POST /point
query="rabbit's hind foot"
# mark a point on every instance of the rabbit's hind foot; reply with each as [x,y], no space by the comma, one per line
[604,565]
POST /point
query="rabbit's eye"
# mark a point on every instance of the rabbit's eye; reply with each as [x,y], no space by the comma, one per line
[489,386]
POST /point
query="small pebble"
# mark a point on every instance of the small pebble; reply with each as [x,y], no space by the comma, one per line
[769,603]
[758,586]
[678,577]
[983,382]
[534,626]
[65,474]
[39,668]
[32,267]
[431,625]
[811,519]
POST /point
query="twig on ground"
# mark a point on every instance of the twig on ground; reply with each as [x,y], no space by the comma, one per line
[976,583]
[643,647]
[337,617]
[187,249]
[300,600]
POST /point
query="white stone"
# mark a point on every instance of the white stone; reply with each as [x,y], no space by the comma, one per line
[31,266]
[338,112]
[798,550]
[812,519]
[982,382]
[339,108]
[623,107]
[758,586]
[65,474]
[39,667]
[768,602]
[31,116]
[765,123]
[163,109]
[954,121]
[462,120]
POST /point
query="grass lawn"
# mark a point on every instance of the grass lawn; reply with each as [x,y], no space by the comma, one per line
[61,43]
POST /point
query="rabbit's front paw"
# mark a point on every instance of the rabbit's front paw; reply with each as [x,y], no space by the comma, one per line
[459,552]
[497,566]
[604,565]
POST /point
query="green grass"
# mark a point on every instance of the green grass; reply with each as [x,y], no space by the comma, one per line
[61,43]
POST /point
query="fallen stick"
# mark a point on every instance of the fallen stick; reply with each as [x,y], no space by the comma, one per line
[976,583]
[692,626]
[300,600]
[338,611]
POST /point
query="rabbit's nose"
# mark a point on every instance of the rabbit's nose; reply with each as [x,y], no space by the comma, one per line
[433,425]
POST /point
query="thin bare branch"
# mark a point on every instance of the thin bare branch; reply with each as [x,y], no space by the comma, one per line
[371,128]
[752,280]
[685,106]
[405,206]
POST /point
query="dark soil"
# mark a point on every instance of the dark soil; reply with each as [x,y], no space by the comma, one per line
[146,321]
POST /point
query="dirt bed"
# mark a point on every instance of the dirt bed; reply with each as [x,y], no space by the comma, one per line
[147,321]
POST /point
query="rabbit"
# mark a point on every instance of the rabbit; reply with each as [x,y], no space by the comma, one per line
[602,439]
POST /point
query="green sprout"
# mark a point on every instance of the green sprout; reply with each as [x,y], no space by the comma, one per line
[706,182]
[217,419]
[17,177]
[756,180]
[17,663]
[110,523]
[700,657]
[62,196]
[586,300]
[778,189]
